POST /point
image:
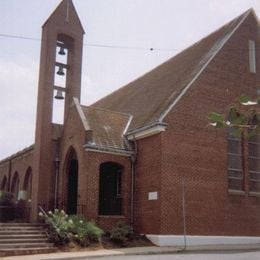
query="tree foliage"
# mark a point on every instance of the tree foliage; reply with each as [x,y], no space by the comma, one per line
[243,117]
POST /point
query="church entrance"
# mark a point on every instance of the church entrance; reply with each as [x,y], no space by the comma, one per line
[72,186]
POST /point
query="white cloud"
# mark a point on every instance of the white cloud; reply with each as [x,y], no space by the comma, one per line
[18,102]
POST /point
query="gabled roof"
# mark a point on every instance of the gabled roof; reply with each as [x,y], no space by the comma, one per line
[64,14]
[108,129]
[149,98]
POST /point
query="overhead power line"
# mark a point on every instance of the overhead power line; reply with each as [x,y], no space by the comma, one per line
[10,36]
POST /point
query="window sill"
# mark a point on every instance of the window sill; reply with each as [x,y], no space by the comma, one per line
[236,192]
[254,194]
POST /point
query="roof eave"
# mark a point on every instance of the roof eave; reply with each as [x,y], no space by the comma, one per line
[81,114]
[108,150]
[146,131]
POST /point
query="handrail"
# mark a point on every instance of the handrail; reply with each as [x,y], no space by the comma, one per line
[46,215]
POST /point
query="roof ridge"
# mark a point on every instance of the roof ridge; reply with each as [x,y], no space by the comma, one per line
[240,19]
[215,31]
[171,58]
[151,96]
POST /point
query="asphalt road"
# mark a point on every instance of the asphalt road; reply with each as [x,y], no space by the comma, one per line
[190,256]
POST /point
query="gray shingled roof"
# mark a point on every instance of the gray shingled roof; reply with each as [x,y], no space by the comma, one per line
[108,128]
[148,97]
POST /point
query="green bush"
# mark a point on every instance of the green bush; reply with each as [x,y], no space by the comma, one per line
[85,231]
[121,233]
[64,228]
[6,198]
[59,226]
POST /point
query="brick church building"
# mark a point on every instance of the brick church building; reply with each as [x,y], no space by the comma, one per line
[145,153]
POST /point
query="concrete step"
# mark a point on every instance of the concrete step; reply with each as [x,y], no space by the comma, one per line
[21,227]
[25,232]
[8,240]
[27,251]
[24,238]
[22,235]
[14,246]
[20,224]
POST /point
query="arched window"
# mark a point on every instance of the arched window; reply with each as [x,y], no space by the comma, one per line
[4,184]
[15,185]
[27,184]
[110,190]
[72,182]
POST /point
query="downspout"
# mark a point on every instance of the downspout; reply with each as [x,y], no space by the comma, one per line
[184,214]
[133,160]
[57,166]
[9,176]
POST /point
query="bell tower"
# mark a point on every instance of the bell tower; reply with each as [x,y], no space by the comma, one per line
[61,58]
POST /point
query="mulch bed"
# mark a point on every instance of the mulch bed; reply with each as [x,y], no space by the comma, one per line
[106,243]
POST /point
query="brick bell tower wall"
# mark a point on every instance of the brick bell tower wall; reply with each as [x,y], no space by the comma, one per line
[62,29]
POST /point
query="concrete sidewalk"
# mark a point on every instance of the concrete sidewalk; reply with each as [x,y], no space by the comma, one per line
[151,250]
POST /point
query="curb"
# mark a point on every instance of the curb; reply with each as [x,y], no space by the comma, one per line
[138,251]
[163,251]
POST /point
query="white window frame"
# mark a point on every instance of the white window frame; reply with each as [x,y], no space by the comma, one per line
[252,56]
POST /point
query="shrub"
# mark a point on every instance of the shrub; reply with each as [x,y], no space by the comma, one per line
[6,198]
[64,228]
[84,231]
[121,233]
[59,226]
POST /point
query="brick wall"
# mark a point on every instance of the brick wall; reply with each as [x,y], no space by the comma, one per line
[74,136]
[17,164]
[148,179]
[196,154]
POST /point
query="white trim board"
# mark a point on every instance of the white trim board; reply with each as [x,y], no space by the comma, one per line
[177,240]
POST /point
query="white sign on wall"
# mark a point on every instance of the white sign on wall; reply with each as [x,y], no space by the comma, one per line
[153,195]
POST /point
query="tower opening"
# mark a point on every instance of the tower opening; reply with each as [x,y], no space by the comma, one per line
[64,45]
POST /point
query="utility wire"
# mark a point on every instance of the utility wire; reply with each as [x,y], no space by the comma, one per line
[18,37]
[10,36]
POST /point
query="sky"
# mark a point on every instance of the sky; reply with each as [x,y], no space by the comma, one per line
[117,48]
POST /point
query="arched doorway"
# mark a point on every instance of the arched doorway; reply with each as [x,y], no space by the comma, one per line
[15,185]
[110,190]
[72,183]
[4,184]
[27,184]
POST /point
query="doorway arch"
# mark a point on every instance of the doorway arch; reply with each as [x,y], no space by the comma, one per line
[4,184]
[27,184]
[15,185]
[72,182]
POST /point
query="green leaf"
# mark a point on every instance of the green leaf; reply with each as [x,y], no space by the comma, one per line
[251,133]
[237,132]
[233,114]
[216,118]
[220,125]
[244,99]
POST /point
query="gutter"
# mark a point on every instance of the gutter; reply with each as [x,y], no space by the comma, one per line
[109,150]
[146,131]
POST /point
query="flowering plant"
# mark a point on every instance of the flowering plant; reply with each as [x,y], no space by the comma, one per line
[64,228]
